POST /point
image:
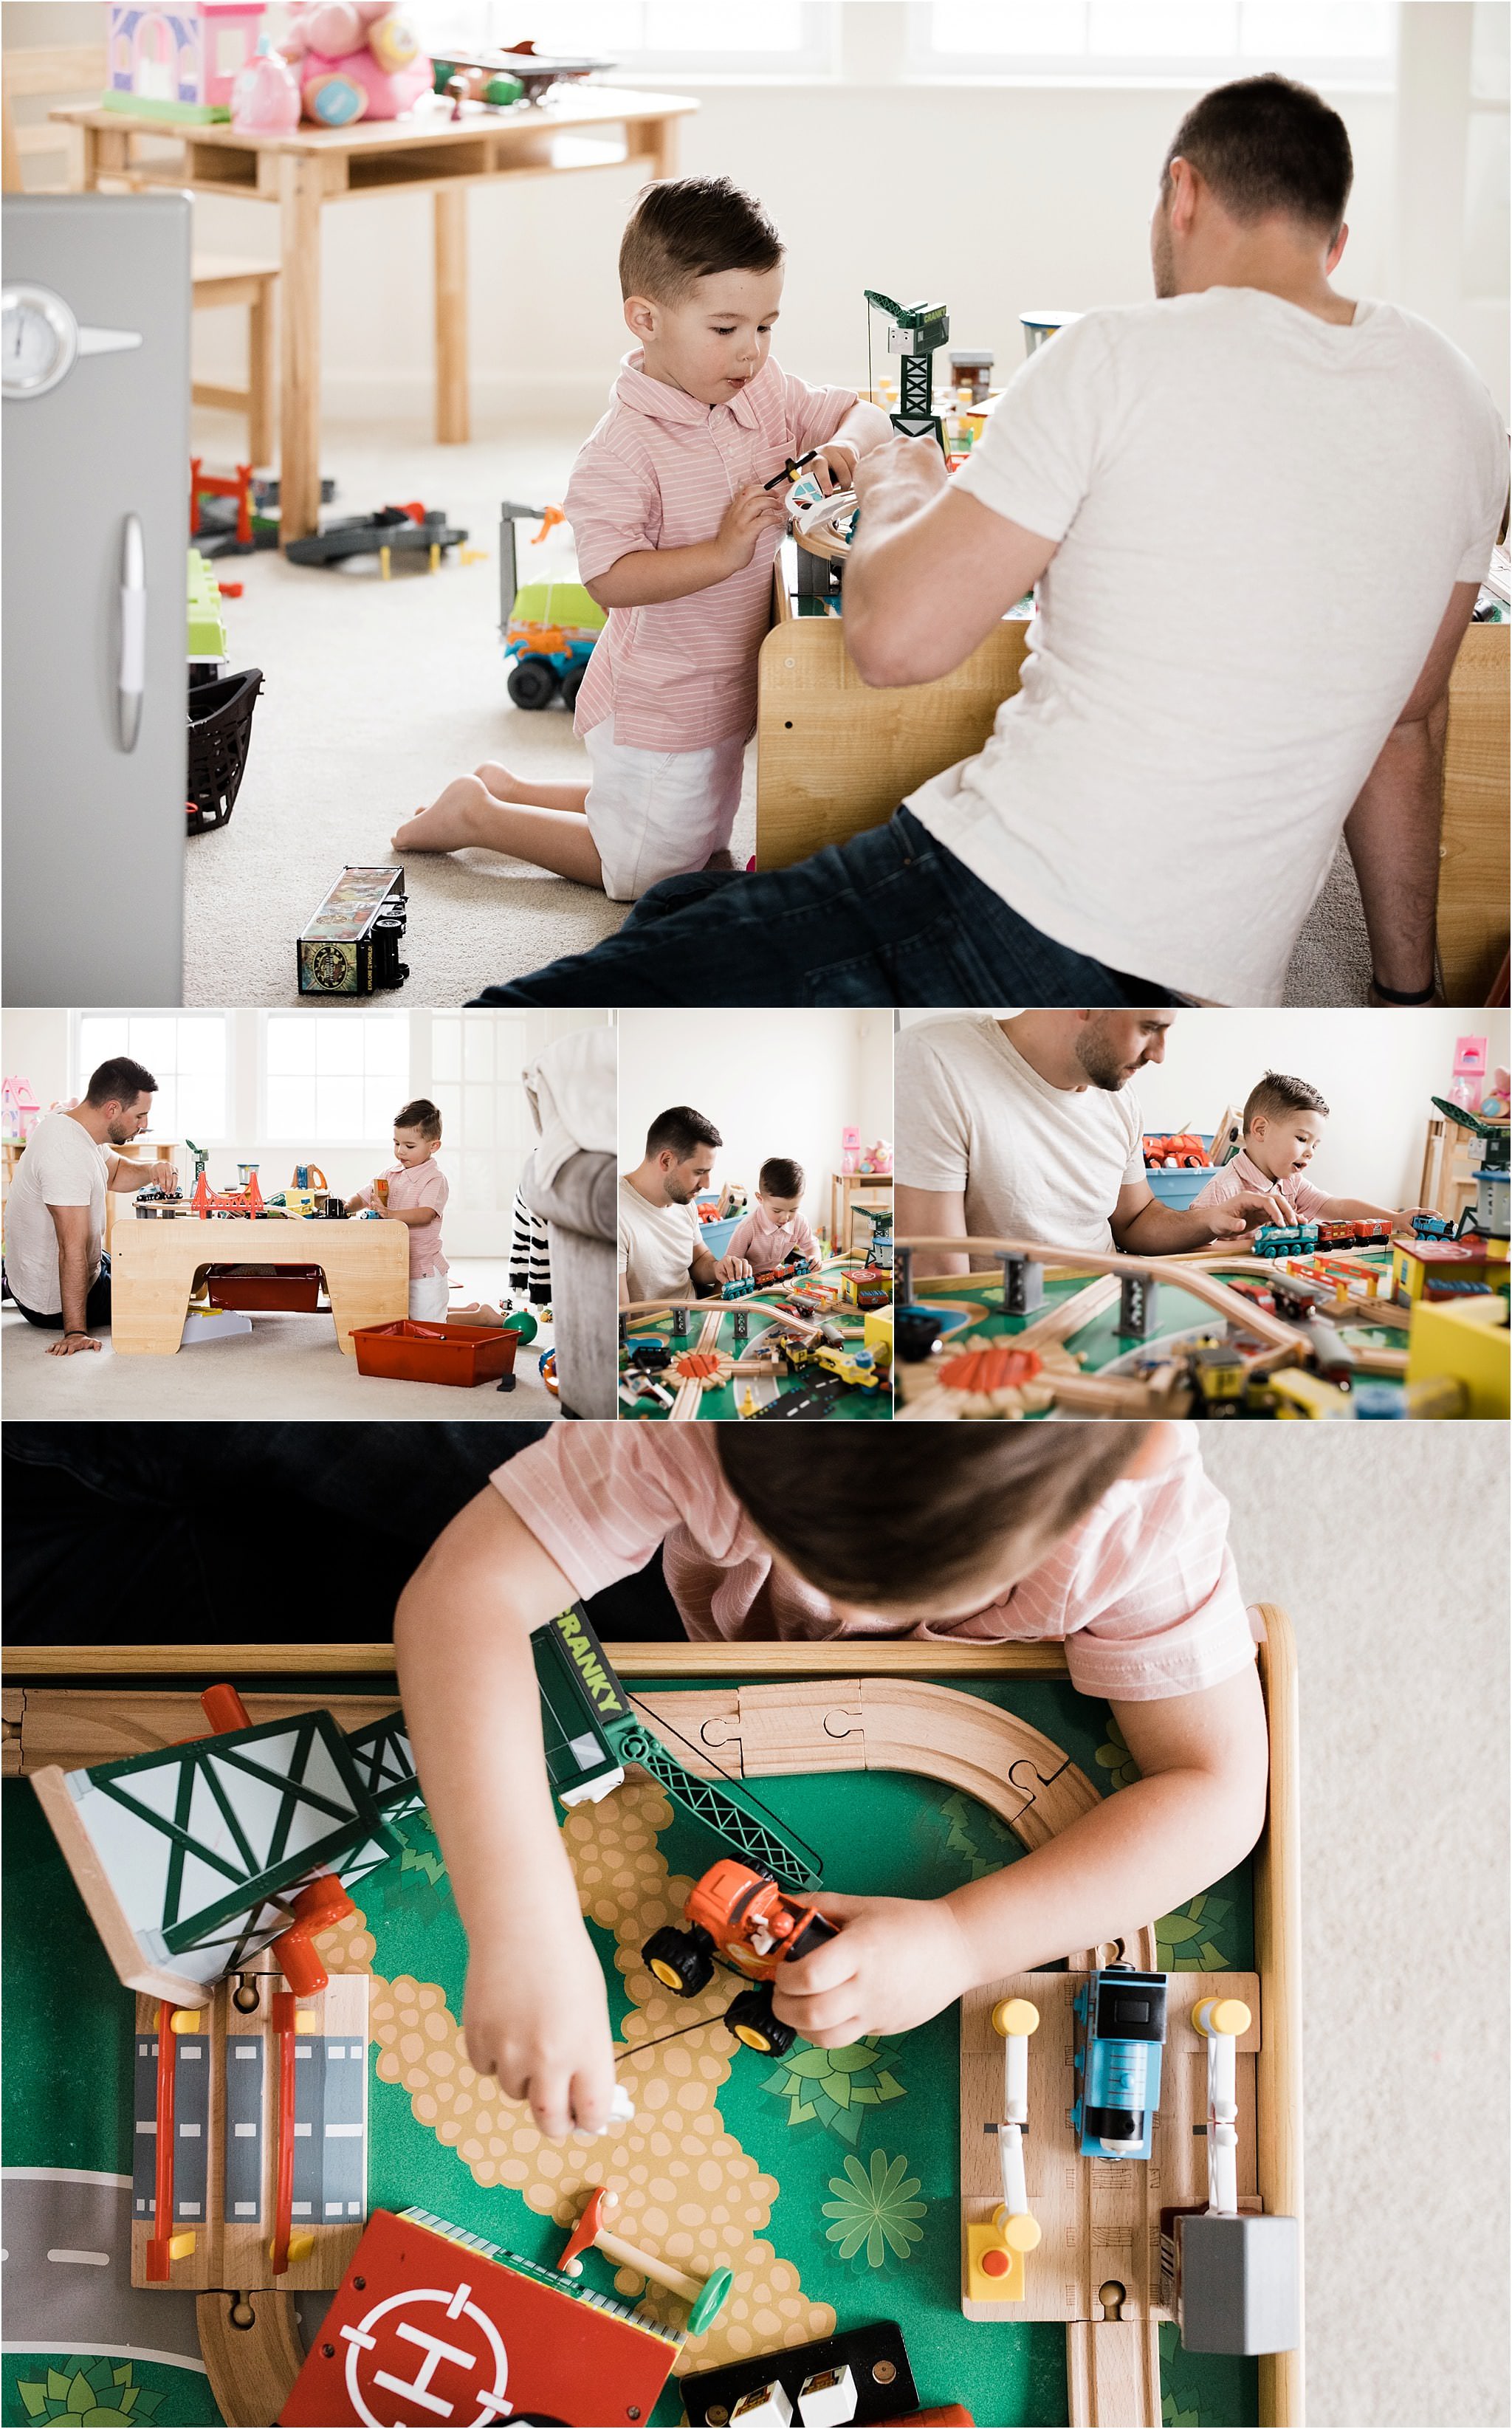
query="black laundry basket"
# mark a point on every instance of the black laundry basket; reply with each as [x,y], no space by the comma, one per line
[220,732]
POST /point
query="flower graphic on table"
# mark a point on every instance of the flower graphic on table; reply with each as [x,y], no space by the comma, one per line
[88,2390]
[834,2087]
[1185,1940]
[1114,1758]
[873,2210]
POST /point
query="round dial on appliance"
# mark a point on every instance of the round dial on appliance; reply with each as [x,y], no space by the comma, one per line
[39,340]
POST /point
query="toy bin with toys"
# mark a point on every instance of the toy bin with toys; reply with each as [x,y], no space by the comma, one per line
[464,1354]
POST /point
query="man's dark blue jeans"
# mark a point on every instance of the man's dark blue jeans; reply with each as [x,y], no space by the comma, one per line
[96,1307]
[889,917]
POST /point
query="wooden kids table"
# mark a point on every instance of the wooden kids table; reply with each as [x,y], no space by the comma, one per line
[575,127]
[836,2191]
[152,1266]
[834,756]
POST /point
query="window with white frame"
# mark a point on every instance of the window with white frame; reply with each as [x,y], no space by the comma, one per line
[1337,42]
[333,1077]
[188,1054]
[1489,154]
[477,1081]
[669,38]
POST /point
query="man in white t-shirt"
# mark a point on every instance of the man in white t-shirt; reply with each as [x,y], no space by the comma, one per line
[1027,1129]
[1257,514]
[660,1240]
[55,1269]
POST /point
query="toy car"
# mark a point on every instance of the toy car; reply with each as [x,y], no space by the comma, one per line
[740,1917]
[1120,2034]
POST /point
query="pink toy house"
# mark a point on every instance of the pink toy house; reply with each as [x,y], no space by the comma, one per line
[180,64]
[19,1112]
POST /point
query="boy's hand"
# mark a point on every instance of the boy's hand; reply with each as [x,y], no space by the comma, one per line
[834,466]
[1248,1208]
[750,513]
[535,2015]
[897,1962]
[732,1269]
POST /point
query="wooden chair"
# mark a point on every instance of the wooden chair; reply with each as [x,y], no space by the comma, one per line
[75,72]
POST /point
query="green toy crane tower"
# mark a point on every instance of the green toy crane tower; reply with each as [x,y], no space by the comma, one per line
[917,331]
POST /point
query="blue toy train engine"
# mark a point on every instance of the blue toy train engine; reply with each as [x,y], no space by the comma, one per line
[1283,1240]
[1120,2020]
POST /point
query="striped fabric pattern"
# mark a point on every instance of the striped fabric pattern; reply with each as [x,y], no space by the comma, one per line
[658,471]
[530,1257]
[1143,1591]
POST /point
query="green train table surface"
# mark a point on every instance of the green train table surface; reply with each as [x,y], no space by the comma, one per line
[726,1400]
[830,2181]
[1098,1345]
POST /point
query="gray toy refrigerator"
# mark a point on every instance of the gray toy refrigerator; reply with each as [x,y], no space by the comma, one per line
[96,437]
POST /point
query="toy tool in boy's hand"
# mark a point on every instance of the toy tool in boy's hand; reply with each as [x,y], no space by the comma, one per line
[791,470]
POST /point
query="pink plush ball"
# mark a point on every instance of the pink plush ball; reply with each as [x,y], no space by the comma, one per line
[336,92]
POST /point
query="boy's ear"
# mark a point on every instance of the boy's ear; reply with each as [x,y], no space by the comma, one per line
[641,317]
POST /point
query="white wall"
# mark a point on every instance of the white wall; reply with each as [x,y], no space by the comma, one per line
[999,198]
[783,1083]
[1377,1071]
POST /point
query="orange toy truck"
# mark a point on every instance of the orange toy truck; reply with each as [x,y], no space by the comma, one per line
[743,1918]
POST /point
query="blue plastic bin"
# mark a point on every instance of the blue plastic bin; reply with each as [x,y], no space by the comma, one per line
[1181,1188]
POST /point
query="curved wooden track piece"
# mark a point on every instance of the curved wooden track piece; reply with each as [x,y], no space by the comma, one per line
[253,2352]
[1285,1338]
[887,1725]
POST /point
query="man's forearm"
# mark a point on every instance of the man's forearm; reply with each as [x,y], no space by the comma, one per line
[1141,1854]
[1159,1231]
[702,1268]
[1392,834]
[73,1289]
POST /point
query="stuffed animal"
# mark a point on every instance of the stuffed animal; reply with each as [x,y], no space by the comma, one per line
[354,59]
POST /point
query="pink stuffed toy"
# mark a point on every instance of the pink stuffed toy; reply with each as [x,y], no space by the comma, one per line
[354,59]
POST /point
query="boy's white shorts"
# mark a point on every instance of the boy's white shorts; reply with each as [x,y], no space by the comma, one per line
[655,814]
[428,1298]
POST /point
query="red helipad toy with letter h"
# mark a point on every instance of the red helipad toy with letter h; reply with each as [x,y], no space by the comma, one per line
[433,2325]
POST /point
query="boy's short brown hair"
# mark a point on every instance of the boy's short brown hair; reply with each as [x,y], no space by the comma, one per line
[419,1115]
[1279,1094]
[688,228]
[885,1517]
[781,1177]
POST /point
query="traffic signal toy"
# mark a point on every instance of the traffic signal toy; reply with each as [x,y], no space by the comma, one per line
[1232,2275]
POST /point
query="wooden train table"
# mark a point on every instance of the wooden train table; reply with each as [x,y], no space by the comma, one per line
[1092,1366]
[154,1267]
[839,2187]
[719,1369]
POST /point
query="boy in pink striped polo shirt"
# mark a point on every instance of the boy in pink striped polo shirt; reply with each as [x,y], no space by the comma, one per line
[1283,1129]
[775,1228]
[414,1192]
[676,533]
[1108,1539]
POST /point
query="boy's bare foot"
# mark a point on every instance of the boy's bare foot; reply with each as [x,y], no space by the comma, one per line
[503,786]
[450,823]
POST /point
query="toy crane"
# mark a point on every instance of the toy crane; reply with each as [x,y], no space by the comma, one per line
[917,331]
[1491,1219]
[592,1736]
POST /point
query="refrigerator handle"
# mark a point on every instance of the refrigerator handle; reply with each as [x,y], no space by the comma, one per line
[132,674]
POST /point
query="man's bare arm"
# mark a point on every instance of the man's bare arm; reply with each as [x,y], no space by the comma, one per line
[71,1225]
[931,570]
[1393,831]
[1142,1227]
[937,1215]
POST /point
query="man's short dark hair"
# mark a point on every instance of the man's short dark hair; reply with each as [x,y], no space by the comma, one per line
[923,1512]
[1277,1093]
[419,1115]
[688,228]
[1266,145]
[679,1131]
[782,1177]
[119,1081]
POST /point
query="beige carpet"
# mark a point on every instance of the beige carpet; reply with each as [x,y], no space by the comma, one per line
[1387,1545]
[377,692]
[287,1366]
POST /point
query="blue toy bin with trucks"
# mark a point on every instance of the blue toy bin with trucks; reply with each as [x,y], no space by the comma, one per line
[1181,1188]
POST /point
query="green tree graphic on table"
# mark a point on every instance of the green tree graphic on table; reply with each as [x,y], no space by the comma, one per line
[1182,1940]
[91,2392]
[874,2212]
[1182,2410]
[834,2087]
[967,1818]
[419,1881]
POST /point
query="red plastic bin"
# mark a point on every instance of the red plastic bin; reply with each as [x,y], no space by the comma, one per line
[294,1289]
[437,1353]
